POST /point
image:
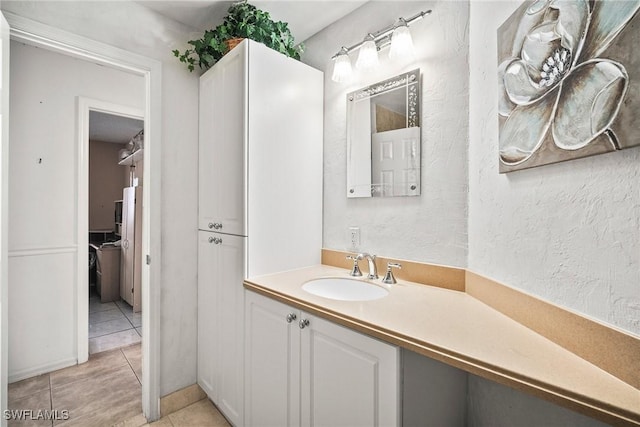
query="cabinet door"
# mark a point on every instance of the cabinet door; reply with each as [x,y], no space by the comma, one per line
[272,382]
[222,145]
[221,322]
[347,379]
[208,321]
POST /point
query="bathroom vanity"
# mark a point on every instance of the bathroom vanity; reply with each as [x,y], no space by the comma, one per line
[303,370]
[448,326]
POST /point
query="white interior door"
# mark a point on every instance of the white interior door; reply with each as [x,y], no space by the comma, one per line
[4,194]
[395,162]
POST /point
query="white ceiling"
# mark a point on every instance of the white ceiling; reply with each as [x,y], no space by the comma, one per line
[110,128]
[305,17]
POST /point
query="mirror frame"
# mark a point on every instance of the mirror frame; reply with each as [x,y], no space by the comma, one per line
[360,137]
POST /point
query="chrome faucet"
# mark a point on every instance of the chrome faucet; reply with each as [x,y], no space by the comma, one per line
[373,270]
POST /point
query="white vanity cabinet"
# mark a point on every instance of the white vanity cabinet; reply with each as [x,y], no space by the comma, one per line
[260,197]
[304,370]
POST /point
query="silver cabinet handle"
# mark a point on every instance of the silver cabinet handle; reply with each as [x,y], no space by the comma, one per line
[210,225]
[303,323]
[217,225]
[291,317]
[211,239]
[215,240]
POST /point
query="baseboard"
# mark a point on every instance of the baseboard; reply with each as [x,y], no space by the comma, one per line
[41,369]
[181,399]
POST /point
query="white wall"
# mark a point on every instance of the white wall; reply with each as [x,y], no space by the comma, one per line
[133,27]
[42,199]
[567,233]
[432,227]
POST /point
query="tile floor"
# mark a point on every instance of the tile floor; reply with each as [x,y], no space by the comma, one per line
[112,324]
[105,391]
[200,414]
[101,392]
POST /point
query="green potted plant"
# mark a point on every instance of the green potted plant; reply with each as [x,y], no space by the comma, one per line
[243,20]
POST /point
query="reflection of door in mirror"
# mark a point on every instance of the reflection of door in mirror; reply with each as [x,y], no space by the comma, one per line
[383,138]
[395,162]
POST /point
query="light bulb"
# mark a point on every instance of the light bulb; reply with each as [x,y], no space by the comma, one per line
[401,42]
[342,68]
[368,56]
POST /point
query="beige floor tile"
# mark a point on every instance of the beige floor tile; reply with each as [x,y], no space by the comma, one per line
[133,353]
[137,421]
[102,400]
[28,386]
[111,341]
[200,414]
[37,401]
[162,422]
[181,399]
[98,364]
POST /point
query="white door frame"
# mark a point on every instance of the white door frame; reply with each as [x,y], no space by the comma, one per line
[4,214]
[43,36]
[84,107]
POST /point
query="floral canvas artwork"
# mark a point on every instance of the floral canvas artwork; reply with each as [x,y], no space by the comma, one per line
[568,81]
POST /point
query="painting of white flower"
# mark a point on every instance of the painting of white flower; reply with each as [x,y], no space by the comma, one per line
[568,81]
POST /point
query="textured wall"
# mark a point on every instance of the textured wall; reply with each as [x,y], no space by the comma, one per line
[133,27]
[432,227]
[568,232]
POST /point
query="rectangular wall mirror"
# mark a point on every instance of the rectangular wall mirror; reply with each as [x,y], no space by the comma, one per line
[383,138]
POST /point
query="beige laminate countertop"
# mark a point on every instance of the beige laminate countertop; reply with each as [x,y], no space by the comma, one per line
[461,331]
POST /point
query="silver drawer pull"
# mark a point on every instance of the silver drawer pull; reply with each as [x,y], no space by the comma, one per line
[215,240]
[217,225]
[303,323]
[291,317]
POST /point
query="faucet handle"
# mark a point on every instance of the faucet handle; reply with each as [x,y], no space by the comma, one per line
[355,271]
[388,277]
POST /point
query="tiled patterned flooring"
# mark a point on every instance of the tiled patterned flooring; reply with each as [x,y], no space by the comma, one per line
[105,391]
[112,324]
[101,392]
[200,414]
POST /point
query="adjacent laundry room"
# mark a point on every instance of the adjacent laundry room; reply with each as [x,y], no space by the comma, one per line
[116,147]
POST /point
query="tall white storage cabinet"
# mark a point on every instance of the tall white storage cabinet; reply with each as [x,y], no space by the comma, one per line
[260,197]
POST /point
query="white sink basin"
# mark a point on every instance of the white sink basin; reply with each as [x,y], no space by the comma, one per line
[344,289]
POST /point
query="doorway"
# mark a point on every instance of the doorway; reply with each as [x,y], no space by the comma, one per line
[116,162]
[38,35]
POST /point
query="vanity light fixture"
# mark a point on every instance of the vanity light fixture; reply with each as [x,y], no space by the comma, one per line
[341,67]
[401,42]
[368,55]
[396,35]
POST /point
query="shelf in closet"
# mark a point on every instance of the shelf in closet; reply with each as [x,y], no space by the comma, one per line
[132,158]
